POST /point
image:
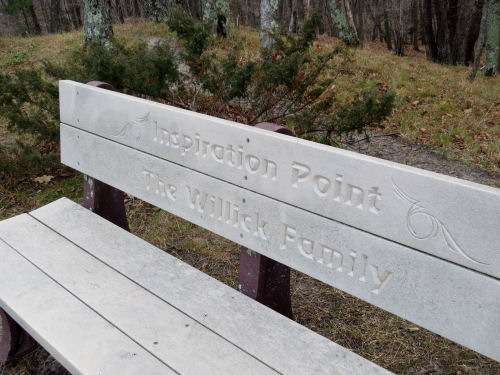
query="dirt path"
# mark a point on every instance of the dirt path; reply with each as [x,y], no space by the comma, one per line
[391,148]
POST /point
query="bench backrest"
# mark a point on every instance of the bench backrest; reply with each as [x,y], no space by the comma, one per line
[419,244]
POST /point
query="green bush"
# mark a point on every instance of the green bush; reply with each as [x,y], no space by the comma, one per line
[135,69]
[29,103]
[29,97]
[291,84]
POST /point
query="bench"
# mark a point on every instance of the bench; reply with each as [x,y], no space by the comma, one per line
[102,301]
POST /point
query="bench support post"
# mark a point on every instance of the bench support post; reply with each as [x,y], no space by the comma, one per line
[100,198]
[15,341]
[105,201]
[262,278]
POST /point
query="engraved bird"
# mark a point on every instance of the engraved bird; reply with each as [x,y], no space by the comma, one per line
[415,210]
[133,129]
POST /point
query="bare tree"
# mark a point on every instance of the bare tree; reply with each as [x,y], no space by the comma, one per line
[269,23]
[217,13]
[343,21]
[491,66]
[97,24]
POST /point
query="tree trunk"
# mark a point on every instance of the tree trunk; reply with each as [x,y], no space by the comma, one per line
[359,21]
[137,8]
[119,11]
[473,32]
[415,24]
[77,13]
[269,24]
[442,32]
[307,8]
[55,18]
[398,26]
[37,30]
[26,22]
[464,26]
[217,13]
[480,42]
[387,33]
[45,15]
[343,22]
[492,38]
[453,20]
[431,46]
[293,26]
[97,23]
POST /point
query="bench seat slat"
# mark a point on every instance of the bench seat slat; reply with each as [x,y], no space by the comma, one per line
[419,287]
[177,340]
[285,345]
[74,334]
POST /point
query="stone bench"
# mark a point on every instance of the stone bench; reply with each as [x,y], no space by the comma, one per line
[102,301]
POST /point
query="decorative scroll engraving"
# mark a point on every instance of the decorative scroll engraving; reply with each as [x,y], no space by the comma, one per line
[133,129]
[417,213]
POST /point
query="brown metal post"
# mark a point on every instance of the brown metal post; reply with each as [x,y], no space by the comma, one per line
[262,278]
[15,342]
[100,198]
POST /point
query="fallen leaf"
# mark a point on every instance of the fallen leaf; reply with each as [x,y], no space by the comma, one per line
[468,110]
[45,179]
[413,329]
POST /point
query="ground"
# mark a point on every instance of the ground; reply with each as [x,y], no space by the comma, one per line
[441,123]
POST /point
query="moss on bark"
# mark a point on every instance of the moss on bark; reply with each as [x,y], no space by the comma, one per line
[97,22]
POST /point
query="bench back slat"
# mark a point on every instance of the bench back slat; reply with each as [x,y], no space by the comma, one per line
[446,217]
[416,286]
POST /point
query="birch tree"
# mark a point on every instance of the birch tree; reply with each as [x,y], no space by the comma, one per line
[343,22]
[217,13]
[491,66]
[97,22]
[269,23]
[490,24]
[159,10]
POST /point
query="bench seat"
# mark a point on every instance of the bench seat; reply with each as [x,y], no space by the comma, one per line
[103,301]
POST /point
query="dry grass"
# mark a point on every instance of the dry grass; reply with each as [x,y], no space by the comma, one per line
[436,105]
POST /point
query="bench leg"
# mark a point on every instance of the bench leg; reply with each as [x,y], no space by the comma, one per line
[15,342]
[261,278]
[266,281]
[105,201]
[100,198]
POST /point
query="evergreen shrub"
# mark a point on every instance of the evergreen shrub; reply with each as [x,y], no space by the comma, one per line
[292,83]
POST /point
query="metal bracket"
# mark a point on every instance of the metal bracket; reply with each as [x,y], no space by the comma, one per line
[262,278]
[101,198]
[15,342]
